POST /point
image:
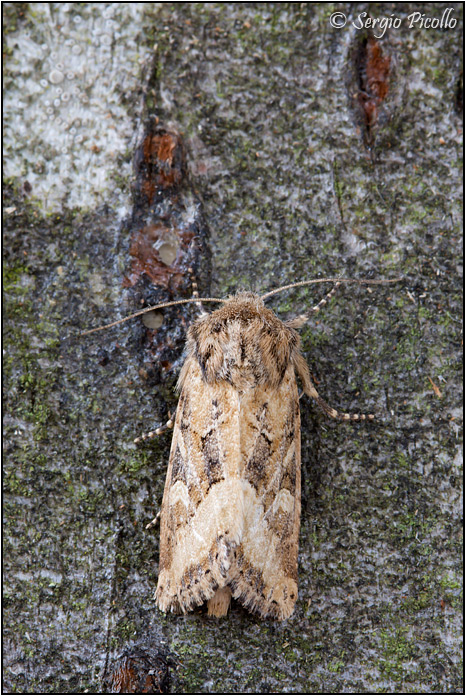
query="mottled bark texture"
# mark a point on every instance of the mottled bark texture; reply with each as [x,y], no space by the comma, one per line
[316,151]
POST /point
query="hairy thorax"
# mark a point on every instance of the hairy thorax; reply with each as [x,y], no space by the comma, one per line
[243,343]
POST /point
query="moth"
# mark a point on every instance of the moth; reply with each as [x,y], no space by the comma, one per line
[230,514]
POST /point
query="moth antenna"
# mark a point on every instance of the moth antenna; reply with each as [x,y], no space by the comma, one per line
[359,281]
[150,309]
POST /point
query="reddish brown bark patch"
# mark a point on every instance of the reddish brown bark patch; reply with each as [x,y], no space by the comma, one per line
[168,246]
[167,222]
[164,162]
[373,70]
[139,672]
[152,247]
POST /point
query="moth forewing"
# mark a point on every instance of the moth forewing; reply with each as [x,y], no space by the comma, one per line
[231,506]
[201,513]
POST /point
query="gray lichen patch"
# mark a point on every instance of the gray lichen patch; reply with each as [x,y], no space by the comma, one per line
[68,126]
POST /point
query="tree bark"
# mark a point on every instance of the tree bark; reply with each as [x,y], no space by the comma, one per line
[317,152]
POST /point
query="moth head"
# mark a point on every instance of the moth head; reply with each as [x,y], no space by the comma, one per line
[243,343]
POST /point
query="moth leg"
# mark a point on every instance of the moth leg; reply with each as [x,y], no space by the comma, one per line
[299,321]
[154,521]
[156,432]
[309,389]
[332,412]
[202,311]
[325,299]
[218,605]
[148,436]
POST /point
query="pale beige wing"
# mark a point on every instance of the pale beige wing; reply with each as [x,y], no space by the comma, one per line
[202,510]
[264,573]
